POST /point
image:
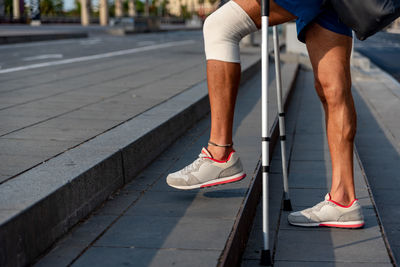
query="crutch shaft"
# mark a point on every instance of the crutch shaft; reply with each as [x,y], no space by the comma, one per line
[280,106]
[265,254]
[264,126]
[281,114]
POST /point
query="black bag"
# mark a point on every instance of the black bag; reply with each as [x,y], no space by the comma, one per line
[366,17]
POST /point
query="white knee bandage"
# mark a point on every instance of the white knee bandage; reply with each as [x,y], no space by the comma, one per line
[223,30]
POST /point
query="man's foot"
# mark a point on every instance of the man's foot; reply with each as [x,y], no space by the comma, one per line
[206,171]
[329,213]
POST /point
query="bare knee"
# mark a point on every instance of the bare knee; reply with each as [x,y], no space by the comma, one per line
[333,92]
[335,95]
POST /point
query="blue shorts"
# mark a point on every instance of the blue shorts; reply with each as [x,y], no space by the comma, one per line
[309,11]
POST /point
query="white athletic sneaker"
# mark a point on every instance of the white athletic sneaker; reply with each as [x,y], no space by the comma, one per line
[329,213]
[206,171]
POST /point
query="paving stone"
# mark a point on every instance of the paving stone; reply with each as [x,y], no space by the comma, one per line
[86,232]
[84,113]
[62,255]
[31,147]
[79,124]
[323,246]
[145,231]
[298,154]
[55,134]
[105,256]
[4,177]
[393,233]
[196,204]
[10,124]
[13,164]
[309,180]
[144,180]
[118,203]
[389,213]
[21,111]
[328,264]
[383,196]
[311,166]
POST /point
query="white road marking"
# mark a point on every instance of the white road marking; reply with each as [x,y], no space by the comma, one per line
[39,43]
[90,41]
[146,43]
[46,56]
[98,56]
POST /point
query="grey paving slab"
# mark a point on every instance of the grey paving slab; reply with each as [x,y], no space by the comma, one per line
[79,123]
[55,134]
[85,232]
[105,256]
[328,264]
[189,204]
[11,125]
[13,164]
[167,232]
[31,147]
[4,177]
[325,246]
[311,166]
[298,154]
[76,241]
[61,255]
[118,203]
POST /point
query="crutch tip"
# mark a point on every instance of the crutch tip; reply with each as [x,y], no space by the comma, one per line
[287,206]
[266,258]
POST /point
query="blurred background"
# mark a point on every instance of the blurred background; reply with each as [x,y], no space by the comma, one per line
[102,12]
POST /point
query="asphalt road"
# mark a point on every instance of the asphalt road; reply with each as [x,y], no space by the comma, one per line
[383,49]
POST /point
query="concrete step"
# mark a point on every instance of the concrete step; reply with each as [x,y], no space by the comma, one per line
[43,203]
[147,223]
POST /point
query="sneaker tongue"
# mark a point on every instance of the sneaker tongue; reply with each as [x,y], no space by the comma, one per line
[205,152]
[327,196]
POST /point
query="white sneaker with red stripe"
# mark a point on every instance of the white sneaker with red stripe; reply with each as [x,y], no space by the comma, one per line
[329,213]
[206,171]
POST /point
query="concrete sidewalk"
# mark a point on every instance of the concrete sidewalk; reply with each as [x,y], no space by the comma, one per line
[309,180]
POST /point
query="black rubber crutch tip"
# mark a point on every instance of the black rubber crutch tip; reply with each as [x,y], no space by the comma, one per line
[265,258]
[287,206]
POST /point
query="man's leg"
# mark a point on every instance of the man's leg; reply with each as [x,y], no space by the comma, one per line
[222,33]
[223,81]
[330,57]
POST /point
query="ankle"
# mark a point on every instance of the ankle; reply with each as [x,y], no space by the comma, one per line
[219,153]
[342,198]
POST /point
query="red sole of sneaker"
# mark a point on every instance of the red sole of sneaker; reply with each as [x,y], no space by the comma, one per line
[343,226]
[237,179]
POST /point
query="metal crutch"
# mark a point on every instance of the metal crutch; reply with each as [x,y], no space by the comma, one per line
[265,138]
[287,206]
[266,252]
